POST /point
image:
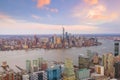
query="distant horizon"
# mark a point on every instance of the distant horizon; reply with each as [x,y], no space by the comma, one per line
[60,34]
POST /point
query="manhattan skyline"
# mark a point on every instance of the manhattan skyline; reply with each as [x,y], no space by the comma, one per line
[49,16]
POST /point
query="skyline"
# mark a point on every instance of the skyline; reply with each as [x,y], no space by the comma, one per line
[49,16]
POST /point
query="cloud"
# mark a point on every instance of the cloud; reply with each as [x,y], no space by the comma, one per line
[35,16]
[42,3]
[94,15]
[91,2]
[2,16]
[99,13]
[26,27]
[54,10]
[38,28]
[5,18]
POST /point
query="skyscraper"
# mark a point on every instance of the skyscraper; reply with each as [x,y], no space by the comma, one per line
[63,33]
[116,47]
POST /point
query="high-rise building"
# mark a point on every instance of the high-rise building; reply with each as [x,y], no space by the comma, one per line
[54,38]
[66,34]
[63,33]
[116,47]
[35,39]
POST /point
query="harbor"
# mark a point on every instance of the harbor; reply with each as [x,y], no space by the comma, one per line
[71,52]
[57,56]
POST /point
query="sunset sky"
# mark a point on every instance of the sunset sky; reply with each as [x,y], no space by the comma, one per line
[49,16]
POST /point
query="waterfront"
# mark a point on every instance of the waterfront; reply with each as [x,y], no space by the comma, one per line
[20,42]
[19,57]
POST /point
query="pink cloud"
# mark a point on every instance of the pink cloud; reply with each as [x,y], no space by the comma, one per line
[99,13]
[5,18]
[2,16]
[91,2]
[96,14]
[42,3]
[37,28]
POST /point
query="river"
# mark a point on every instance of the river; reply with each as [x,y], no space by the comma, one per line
[19,57]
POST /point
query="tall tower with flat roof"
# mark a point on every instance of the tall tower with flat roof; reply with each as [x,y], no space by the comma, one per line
[116,47]
[63,33]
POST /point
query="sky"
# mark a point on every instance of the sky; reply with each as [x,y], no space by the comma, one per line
[49,16]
